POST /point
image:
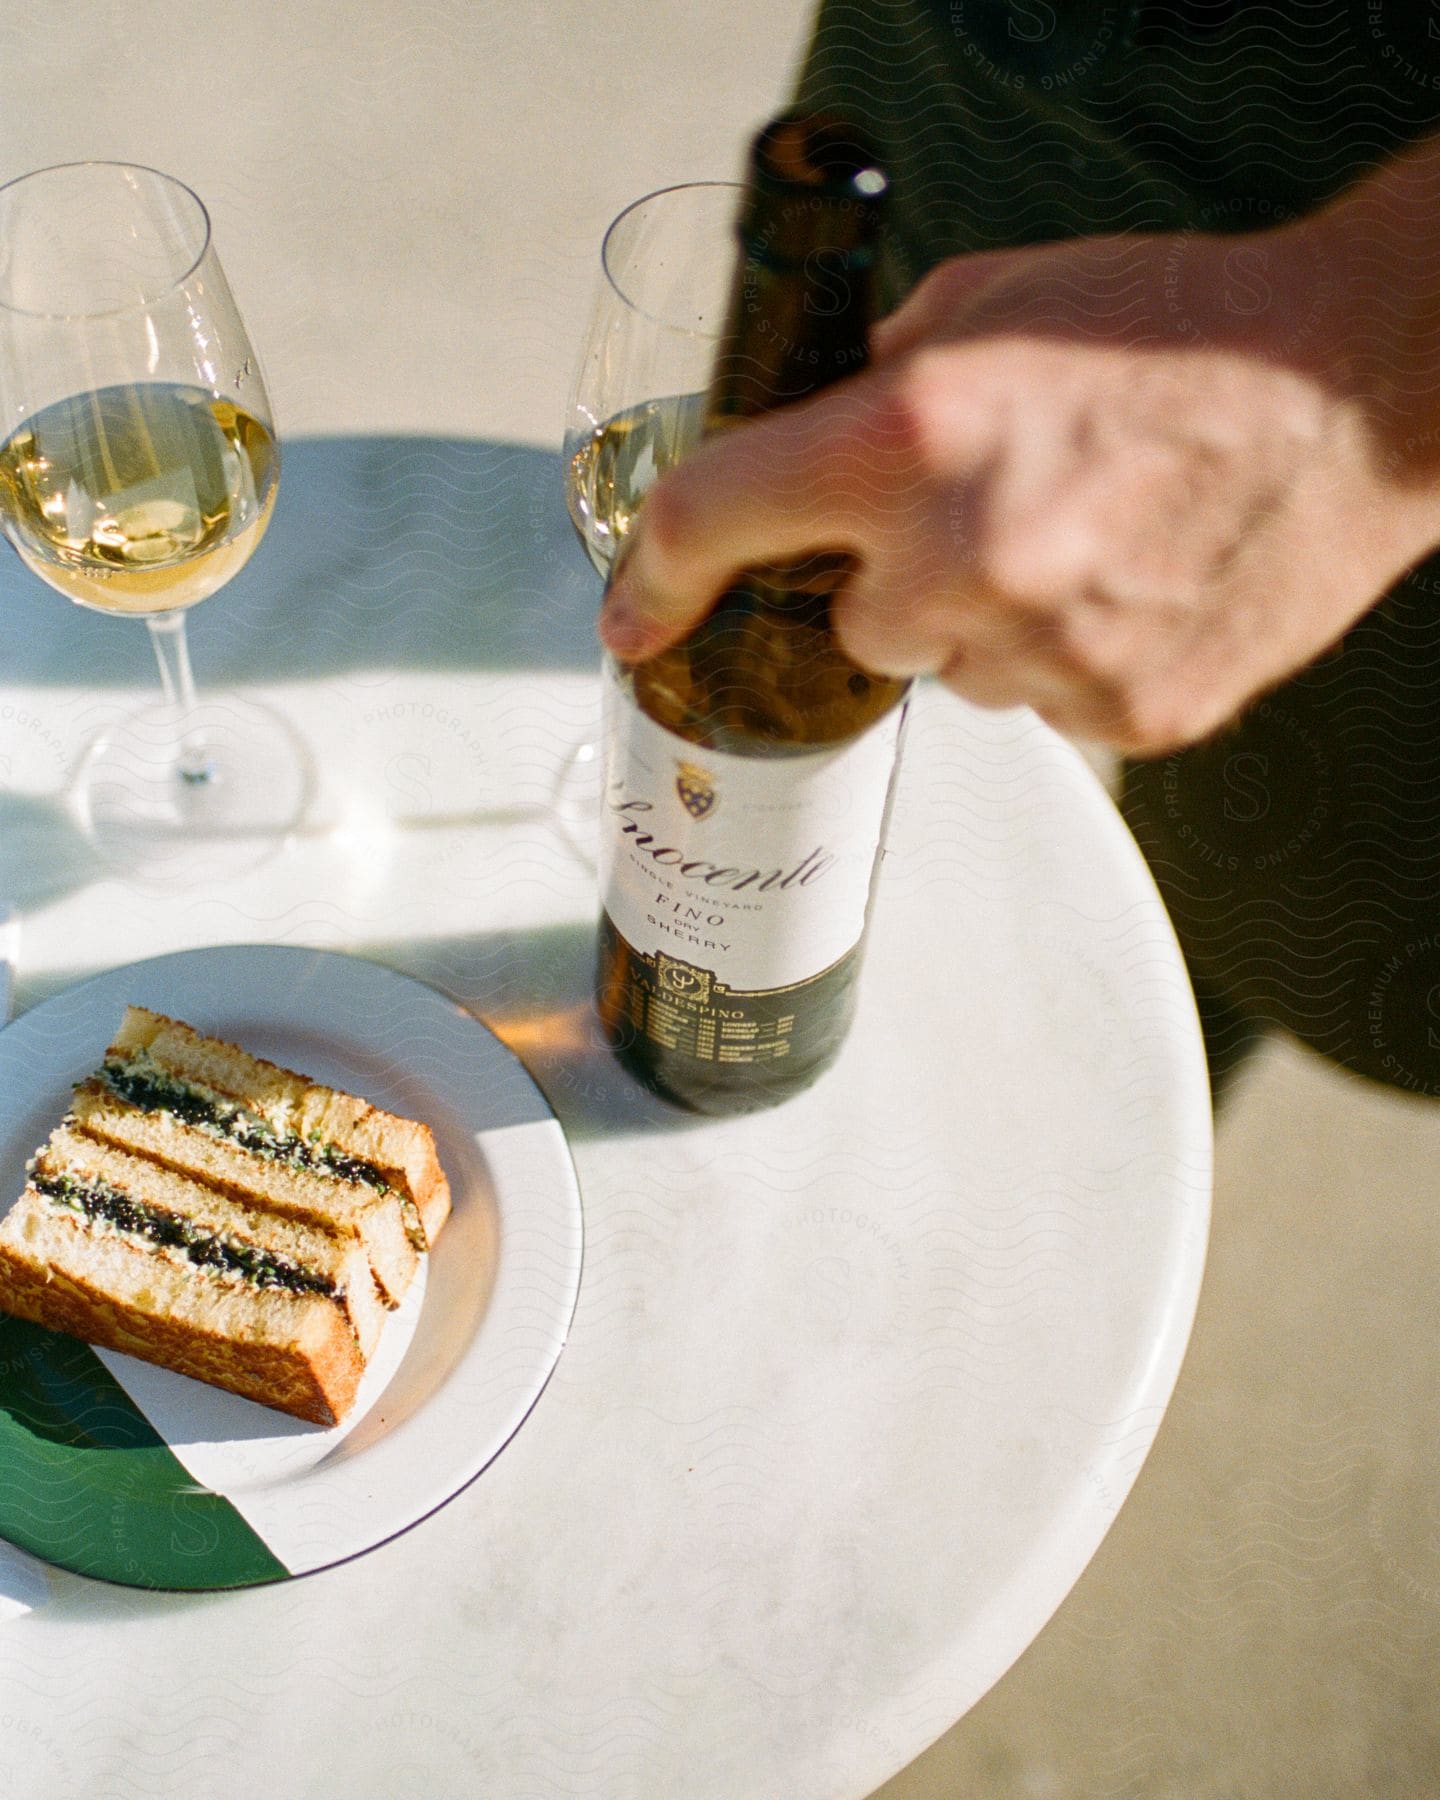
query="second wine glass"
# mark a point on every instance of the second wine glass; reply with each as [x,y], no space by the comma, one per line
[138,472]
[637,402]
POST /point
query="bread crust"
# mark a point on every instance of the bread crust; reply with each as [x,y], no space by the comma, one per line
[338,1255]
[171,1227]
[403,1149]
[307,1363]
[342,1206]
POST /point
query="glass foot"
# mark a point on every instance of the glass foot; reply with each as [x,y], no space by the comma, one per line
[575,803]
[209,806]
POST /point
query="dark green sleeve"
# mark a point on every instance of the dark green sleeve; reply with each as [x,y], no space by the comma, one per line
[1298,851]
[1021,121]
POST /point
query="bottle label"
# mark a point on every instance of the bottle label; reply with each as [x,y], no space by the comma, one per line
[752,871]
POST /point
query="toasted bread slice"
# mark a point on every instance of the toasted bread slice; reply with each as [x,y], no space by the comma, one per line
[323,1252]
[401,1152]
[327,1203]
[291,1350]
[223,1217]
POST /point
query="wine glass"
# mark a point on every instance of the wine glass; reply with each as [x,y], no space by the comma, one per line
[636,407]
[667,264]
[138,469]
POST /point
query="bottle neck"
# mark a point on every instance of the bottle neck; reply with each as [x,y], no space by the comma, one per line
[800,309]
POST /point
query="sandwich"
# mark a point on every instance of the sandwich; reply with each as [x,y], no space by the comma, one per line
[224,1117]
[224,1217]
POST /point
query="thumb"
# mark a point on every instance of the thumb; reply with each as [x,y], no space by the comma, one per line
[636,619]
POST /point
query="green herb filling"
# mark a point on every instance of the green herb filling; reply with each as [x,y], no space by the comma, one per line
[155,1089]
[206,1249]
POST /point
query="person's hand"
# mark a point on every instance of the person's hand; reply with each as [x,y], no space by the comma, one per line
[1096,478]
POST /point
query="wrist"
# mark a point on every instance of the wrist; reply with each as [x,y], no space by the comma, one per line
[1380,243]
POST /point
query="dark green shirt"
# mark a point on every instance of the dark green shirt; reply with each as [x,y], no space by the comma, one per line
[1299,851]
[1018,121]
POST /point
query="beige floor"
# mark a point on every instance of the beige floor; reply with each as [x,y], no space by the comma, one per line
[1264,1618]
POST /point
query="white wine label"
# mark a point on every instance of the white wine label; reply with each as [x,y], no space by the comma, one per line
[754,869]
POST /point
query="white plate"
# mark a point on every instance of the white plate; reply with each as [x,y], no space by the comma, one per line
[115,1468]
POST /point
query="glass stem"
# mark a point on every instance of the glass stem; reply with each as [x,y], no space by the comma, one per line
[193,763]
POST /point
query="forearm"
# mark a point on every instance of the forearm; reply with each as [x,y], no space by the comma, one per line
[1130,481]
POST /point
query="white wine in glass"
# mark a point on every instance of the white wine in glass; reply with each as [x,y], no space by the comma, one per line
[138,471]
[609,471]
[138,499]
[637,403]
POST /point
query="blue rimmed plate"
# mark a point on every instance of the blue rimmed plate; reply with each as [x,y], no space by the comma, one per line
[114,1468]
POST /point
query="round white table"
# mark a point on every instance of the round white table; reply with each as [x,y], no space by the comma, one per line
[854,1388]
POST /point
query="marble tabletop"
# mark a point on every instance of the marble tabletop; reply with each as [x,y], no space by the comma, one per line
[853,1389]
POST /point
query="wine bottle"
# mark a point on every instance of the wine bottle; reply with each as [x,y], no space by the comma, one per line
[749,767]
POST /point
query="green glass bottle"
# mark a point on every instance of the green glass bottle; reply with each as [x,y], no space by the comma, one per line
[749,767]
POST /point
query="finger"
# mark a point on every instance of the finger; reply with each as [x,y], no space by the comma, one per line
[994,682]
[937,306]
[1151,717]
[882,635]
[1094,718]
[819,475]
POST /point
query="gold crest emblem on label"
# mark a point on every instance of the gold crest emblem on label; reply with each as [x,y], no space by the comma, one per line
[681,980]
[696,790]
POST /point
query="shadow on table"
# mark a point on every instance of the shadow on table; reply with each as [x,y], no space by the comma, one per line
[43,852]
[383,552]
[532,988]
